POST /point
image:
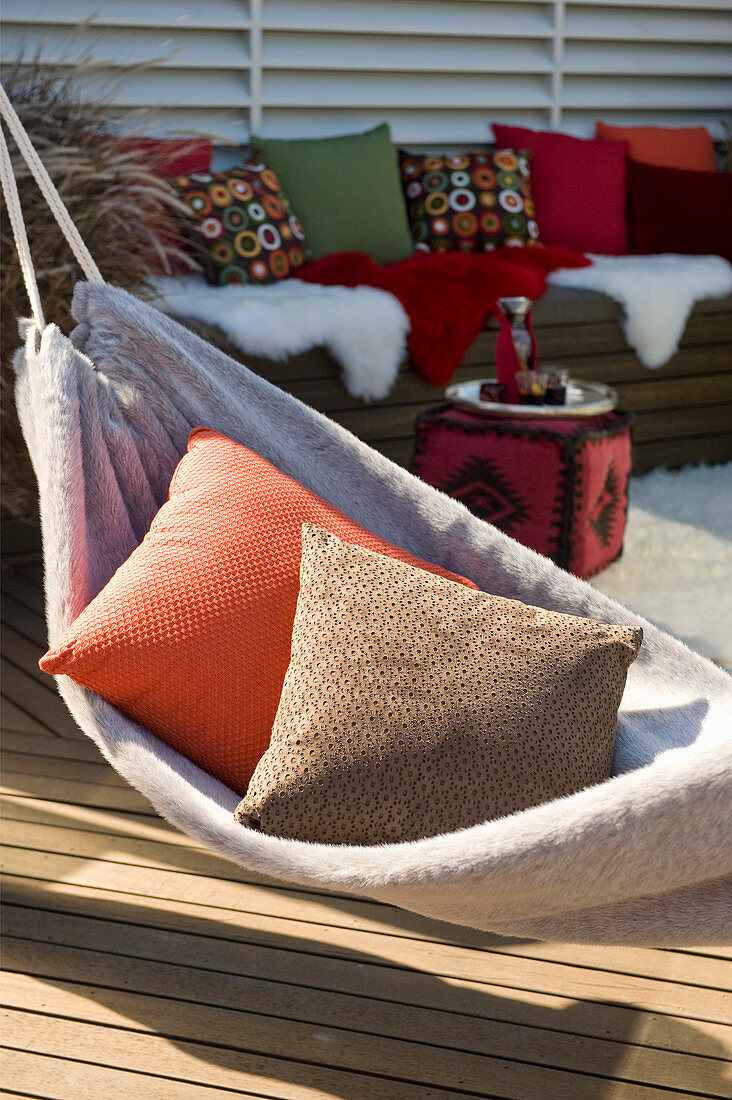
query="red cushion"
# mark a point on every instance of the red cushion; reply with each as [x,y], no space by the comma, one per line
[578,187]
[665,146]
[171,156]
[191,636]
[670,210]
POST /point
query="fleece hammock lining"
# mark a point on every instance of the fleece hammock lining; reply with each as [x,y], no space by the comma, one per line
[639,859]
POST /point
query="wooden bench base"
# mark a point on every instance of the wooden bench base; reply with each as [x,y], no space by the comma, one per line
[683,410]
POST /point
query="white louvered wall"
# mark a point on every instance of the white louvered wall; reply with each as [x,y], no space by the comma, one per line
[438,70]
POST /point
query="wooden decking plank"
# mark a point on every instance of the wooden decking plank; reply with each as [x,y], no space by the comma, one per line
[116,824]
[676,393]
[639,962]
[30,624]
[681,452]
[329,922]
[294,902]
[33,571]
[17,720]
[418,1024]
[164,855]
[73,792]
[275,951]
[120,825]
[27,592]
[201,1063]
[47,1077]
[652,425]
[130,829]
[78,771]
[42,742]
[24,654]
[37,699]
[415,1064]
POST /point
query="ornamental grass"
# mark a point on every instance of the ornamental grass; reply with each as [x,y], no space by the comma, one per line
[124,212]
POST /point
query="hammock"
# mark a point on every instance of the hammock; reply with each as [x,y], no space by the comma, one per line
[645,858]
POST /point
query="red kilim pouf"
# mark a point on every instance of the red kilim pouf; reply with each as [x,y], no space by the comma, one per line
[559,486]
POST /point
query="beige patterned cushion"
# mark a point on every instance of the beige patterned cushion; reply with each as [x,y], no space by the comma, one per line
[413,706]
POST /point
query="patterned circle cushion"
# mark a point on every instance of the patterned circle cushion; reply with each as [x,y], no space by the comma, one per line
[244,228]
[469,202]
[413,707]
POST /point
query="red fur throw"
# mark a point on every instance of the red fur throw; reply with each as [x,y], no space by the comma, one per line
[447,296]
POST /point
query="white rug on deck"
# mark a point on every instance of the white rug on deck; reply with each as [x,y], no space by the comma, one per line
[676,568]
[657,294]
[363,328]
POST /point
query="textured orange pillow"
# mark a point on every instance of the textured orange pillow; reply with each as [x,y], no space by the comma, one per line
[688,147]
[192,634]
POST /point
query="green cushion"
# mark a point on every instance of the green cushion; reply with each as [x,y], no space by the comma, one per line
[345,192]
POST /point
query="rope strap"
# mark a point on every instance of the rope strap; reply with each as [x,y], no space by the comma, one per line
[52,197]
[12,201]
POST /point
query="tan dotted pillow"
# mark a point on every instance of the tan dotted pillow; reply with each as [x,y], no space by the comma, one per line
[414,706]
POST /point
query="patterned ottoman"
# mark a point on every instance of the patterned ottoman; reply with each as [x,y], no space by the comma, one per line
[559,486]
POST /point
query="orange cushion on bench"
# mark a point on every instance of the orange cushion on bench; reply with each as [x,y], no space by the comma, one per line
[191,636]
[688,147]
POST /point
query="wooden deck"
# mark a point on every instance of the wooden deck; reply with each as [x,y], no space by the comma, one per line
[138,964]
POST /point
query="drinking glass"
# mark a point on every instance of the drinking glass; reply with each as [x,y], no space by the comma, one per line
[531,386]
[556,389]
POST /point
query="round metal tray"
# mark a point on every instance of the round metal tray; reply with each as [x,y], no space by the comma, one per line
[583,399]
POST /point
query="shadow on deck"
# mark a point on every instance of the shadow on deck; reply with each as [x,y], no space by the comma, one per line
[135,960]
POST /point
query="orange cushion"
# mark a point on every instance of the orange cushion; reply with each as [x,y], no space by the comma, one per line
[688,147]
[191,636]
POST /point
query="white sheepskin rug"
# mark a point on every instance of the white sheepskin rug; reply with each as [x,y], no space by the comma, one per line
[676,568]
[364,329]
[657,294]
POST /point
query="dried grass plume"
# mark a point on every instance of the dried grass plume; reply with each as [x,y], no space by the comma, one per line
[124,212]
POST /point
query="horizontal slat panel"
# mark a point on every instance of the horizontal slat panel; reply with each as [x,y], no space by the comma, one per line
[180,88]
[701,5]
[442,91]
[197,58]
[172,14]
[406,53]
[627,59]
[435,129]
[648,24]
[605,93]
[446,18]
[434,69]
[230,127]
[675,453]
[195,49]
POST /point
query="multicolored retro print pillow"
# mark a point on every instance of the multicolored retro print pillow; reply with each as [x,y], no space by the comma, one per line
[469,202]
[243,229]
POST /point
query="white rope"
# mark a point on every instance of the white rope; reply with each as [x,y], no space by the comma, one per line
[12,201]
[48,189]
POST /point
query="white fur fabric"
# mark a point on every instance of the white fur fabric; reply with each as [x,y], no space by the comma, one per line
[363,328]
[676,565]
[657,294]
[644,858]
